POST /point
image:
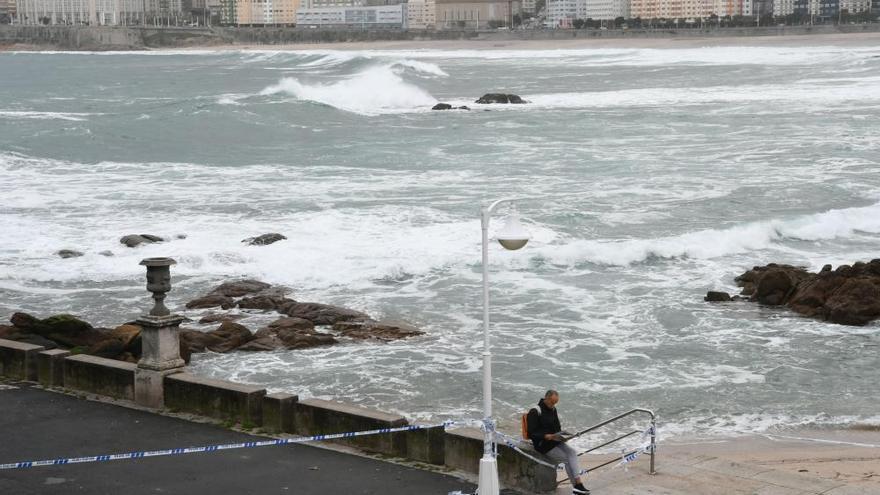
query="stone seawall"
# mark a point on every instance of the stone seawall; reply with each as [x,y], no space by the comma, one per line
[129,38]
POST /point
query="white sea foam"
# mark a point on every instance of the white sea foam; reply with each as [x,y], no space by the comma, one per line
[730,55]
[714,243]
[376,90]
[34,115]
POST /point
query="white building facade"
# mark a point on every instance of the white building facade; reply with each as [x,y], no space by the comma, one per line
[380,16]
[84,12]
[605,9]
[421,14]
[561,13]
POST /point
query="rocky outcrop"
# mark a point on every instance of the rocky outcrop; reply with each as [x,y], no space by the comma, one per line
[848,295]
[211,301]
[264,240]
[218,318]
[227,337]
[322,314]
[489,98]
[385,330]
[288,333]
[134,240]
[295,330]
[239,288]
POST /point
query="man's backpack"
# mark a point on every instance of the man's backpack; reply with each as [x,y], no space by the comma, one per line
[527,419]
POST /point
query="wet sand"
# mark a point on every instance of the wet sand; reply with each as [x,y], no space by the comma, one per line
[808,461]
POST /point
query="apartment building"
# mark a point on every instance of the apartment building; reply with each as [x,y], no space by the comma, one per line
[366,17]
[475,14]
[91,12]
[7,10]
[675,9]
[604,9]
[561,13]
[263,12]
[421,14]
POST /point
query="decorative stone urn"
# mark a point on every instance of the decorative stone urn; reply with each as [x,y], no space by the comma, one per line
[160,338]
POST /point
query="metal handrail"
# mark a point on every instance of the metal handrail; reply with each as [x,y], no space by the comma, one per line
[653,432]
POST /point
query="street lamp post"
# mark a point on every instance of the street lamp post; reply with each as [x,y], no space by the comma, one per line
[512,237]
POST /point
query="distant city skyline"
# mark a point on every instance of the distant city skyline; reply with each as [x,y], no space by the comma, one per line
[414,14]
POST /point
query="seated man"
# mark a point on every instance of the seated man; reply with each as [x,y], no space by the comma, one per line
[545,432]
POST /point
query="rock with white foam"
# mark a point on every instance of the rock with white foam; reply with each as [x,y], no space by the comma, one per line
[134,240]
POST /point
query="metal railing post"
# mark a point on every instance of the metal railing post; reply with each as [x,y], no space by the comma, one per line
[653,443]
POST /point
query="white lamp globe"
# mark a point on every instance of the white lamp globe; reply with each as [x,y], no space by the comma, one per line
[513,235]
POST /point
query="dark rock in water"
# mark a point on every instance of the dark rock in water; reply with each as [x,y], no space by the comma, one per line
[107,253]
[385,330]
[240,288]
[194,341]
[500,98]
[849,295]
[218,318]
[464,107]
[772,284]
[180,236]
[69,253]
[717,296]
[322,314]
[211,301]
[442,106]
[288,333]
[133,240]
[264,302]
[264,240]
[229,336]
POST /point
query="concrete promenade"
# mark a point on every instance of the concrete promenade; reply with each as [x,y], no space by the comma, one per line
[36,424]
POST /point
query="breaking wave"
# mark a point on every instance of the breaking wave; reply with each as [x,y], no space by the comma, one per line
[374,91]
[714,243]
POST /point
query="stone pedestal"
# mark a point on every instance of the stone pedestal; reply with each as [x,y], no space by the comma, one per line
[160,357]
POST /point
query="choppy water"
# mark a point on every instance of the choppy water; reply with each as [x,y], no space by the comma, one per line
[653,176]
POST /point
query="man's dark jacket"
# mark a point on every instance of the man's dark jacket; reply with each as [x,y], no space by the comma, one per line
[540,424]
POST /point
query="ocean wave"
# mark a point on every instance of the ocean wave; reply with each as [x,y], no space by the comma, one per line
[714,243]
[600,57]
[374,91]
[33,115]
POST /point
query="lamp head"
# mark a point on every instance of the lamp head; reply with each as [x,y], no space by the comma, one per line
[513,235]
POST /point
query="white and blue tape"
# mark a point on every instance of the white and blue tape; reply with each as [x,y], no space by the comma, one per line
[214,448]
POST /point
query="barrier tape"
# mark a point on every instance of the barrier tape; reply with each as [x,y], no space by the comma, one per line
[214,448]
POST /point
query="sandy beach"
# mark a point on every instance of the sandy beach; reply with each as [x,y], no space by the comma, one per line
[834,461]
[493,43]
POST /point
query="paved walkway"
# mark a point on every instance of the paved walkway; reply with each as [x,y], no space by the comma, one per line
[36,424]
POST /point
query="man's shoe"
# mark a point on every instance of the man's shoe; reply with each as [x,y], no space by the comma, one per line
[580,489]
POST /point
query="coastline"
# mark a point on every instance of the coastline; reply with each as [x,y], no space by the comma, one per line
[839,39]
[122,39]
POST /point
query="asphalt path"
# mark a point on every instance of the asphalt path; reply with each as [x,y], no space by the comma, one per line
[36,424]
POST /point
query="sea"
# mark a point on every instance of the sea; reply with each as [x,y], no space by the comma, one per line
[646,177]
